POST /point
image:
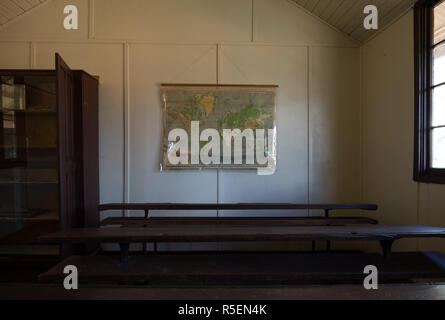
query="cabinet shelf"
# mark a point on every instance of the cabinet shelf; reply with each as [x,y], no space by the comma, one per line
[29,182]
[45,216]
[31,110]
[29,214]
[26,175]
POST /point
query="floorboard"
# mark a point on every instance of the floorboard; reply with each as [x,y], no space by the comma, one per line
[332,292]
[203,269]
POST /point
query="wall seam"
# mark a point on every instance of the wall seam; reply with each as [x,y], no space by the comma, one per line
[91,6]
[308,132]
[218,80]
[361,136]
[361,172]
[126,126]
[253,22]
[32,55]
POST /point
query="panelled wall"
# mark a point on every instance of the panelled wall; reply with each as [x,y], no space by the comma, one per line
[388,136]
[134,45]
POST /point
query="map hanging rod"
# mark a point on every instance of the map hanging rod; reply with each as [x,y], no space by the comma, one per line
[217,85]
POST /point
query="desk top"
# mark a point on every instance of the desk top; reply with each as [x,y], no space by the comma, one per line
[246,221]
[234,206]
[190,233]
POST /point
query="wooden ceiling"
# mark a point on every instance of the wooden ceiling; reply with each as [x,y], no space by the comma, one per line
[344,15]
[11,9]
[347,15]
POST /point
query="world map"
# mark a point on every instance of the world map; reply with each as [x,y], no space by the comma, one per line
[218,108]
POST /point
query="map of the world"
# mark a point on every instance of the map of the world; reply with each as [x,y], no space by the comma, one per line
[226,107]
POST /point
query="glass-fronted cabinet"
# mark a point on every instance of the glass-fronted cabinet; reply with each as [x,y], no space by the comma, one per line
[45,116]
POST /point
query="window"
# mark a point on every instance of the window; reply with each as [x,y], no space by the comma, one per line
[429,45]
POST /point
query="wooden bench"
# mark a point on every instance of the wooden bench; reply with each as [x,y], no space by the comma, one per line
[270,220]
[147,207]
[188,229]
[281,221]
[195,233]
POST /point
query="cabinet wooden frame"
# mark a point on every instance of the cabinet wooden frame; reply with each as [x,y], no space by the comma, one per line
[76,154]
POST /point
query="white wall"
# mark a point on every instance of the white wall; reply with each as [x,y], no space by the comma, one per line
[135,45]
[388,136]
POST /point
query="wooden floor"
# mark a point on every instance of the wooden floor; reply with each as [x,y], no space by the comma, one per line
[18,281]
[332,292]
[263,269]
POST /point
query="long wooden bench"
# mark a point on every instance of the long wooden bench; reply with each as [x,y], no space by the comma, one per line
[186,229]
[194,233]
[271,220]
[147,207]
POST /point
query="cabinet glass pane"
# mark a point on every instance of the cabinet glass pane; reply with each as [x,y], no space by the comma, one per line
[438,148]
[28,158]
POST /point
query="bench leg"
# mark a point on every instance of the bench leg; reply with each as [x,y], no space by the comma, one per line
[144,244]
[328,243]
[386,247]
[124,252]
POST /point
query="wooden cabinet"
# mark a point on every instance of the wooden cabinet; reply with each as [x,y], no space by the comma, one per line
[48,155]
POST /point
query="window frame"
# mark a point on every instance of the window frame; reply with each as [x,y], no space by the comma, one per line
[423,59]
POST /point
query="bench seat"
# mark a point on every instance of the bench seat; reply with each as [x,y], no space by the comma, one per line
[197,233]
[234,206]
[205,233]
[247,220]
[285,221]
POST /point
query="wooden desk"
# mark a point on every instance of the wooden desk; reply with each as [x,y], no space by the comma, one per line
[228,221]
[199,233]
[234,206]
[325,220]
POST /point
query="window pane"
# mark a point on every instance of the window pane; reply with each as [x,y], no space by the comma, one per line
[439,64]
[439,23]
[438,148]
[438,115]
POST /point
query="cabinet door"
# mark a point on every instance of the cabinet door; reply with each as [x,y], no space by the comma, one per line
[66,144]
[90,150]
